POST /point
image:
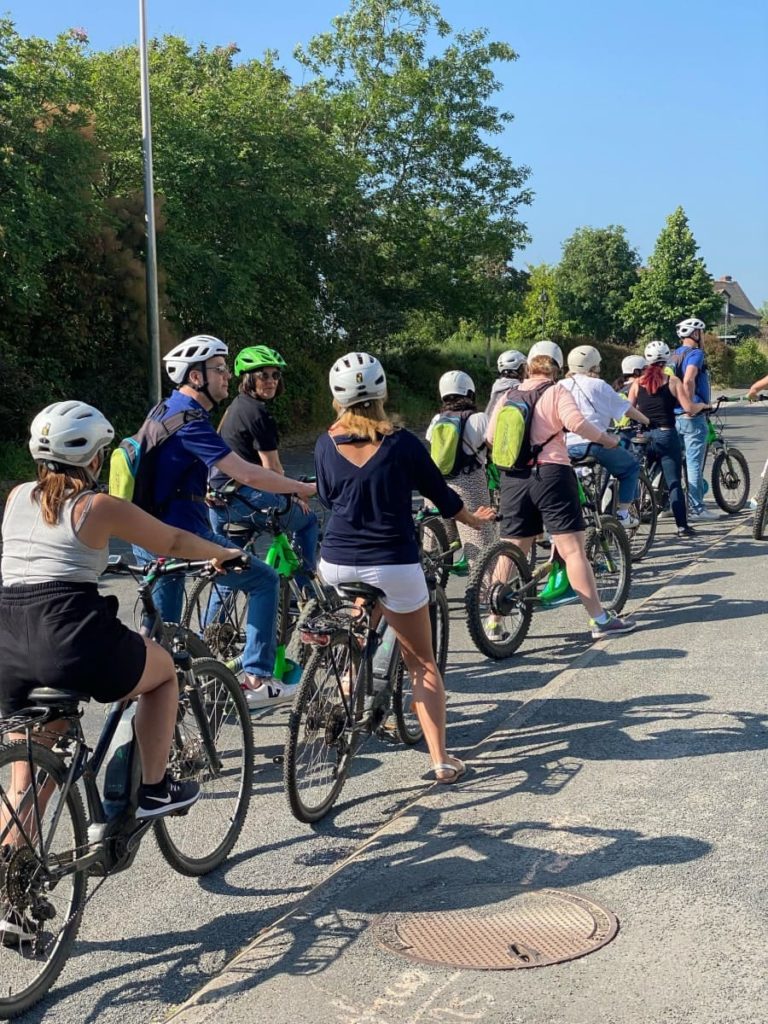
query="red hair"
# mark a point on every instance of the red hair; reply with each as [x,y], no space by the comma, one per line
[652,378]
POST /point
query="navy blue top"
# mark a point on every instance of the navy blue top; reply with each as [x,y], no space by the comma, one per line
[371,520]
[183,462]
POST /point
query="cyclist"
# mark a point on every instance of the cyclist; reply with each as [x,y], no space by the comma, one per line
[511,366]
[250,430]
[56,629]
[657,394]
[199,369]
[457,391]
[631,367]
[756,388]
[691,367]
[546,493]
[599,404]
[367,468]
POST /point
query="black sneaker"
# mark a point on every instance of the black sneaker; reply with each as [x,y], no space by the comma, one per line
[173,797]
[16,928]
[686,533]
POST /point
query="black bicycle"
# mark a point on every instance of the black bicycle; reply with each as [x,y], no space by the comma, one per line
[50,845]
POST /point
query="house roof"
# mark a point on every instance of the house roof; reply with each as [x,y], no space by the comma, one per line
[738,303]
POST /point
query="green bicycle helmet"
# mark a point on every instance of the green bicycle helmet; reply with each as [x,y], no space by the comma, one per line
[256,356]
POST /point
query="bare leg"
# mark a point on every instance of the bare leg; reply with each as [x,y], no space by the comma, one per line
[21,779]
[414,631]
[580,575]
[502,569]
[158,693]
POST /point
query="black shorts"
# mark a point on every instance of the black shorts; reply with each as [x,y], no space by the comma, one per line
[67,636]
[544,496]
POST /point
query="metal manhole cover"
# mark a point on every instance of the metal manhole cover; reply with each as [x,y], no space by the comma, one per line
[529,928]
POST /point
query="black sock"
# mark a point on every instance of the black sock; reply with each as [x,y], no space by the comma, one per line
[155,788]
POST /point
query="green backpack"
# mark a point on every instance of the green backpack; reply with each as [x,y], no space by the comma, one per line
[446,445]
[512,448]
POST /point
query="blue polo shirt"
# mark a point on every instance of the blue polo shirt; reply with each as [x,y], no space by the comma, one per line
[183,462]
[371,521]
[686,356]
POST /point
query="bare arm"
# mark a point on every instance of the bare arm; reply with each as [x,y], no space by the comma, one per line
[680,391]
[689,382]
[757,387]
[476,520]
[271,460]
[262,479]
[113,517]
[637,416]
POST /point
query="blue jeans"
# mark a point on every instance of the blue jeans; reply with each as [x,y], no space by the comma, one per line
[258,581]
[666,449]
[619,463]
[303,524]
[693,434]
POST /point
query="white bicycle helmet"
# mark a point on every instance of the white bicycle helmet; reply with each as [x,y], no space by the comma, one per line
[657,352]
[631,365]
[70,433]
[584,359]
[511,360]
[455,382]
[686,327]
[180,360]
[546,348]
[357,377]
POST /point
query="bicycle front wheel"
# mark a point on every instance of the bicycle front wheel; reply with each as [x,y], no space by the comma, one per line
[320,745]
[730,480]
[217,614]
[435,544]
[213,744]
[760,522]
[44,905]
[609,555]
[498,617]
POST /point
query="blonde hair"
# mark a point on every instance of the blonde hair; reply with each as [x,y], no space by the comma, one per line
[54,487]
[366,419]
[543,366]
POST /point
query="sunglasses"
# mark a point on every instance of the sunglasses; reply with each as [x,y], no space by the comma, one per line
[223,370]
[268,374]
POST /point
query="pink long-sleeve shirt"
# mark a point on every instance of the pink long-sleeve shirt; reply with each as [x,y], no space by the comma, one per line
[555,412]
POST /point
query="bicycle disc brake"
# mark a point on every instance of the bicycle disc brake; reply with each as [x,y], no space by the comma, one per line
[502,598]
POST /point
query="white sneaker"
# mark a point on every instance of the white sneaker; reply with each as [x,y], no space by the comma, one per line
[271,692]
[705,513]
[752,504]
[628,521]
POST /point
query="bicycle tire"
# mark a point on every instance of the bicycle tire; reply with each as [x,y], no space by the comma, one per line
[760,522]
[479,596]
[730,473]
[225,639]
[409,729]
[610,534]
[645,508]
[318,717]
[224,705]
[60,947]
[434,540]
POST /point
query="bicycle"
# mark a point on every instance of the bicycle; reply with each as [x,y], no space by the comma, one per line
[218,614]
[352,682]
[504,590]
[53,849]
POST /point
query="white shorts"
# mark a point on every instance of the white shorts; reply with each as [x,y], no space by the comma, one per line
[404,586]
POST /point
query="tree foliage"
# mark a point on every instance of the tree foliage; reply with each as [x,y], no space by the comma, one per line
[676,284]
[594,280]
[539,315]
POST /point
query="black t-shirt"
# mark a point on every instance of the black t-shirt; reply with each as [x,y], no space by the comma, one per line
[248,427]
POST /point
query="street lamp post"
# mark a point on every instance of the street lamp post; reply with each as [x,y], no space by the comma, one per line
[153,311]
[544,302]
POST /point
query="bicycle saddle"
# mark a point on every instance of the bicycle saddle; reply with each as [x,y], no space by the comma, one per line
[359,589]
[46,696]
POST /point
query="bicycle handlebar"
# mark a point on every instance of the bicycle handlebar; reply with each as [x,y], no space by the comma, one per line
[166,567]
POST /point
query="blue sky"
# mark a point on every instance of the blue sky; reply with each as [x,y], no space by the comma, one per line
[622,111]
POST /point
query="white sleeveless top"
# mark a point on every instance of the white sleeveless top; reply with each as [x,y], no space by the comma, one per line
[34,552]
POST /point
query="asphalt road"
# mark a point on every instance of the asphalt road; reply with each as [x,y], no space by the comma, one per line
[150,939]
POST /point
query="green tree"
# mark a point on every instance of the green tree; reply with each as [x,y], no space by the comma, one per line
[676,284]
[594,280]
[540,315]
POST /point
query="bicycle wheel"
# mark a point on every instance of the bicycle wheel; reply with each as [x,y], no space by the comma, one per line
[409,729]
[760,522]
[197,842]
[730,480]
[435,544]
[609,555]
[217,614]
[498,620]
[319,748]
[51,904]
[645,509]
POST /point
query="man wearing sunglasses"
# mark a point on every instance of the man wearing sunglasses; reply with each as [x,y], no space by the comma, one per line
[250,430]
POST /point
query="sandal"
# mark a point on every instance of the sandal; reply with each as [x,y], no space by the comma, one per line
[456,770]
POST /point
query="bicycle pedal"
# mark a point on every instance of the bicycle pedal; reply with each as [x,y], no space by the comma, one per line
[388,732]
